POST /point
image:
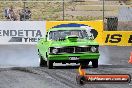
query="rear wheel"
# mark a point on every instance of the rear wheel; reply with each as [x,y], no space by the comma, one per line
[95,63]
[49,64]
[42,63]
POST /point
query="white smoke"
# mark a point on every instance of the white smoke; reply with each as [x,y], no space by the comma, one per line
[26,55]
[18,55]
[104,55]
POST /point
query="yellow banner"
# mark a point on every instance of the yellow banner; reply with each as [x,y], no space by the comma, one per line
[97,25]
[117,38]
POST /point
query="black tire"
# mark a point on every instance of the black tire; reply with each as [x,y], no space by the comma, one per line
[84,64]
[95,63]
[42,63]
[81,80]
[49,64]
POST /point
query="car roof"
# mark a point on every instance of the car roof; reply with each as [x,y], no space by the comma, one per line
[66,28]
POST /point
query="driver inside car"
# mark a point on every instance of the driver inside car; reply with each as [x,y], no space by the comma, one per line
[75,33]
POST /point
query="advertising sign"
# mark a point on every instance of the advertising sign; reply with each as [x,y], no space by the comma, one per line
[21,32]
[94,27]
[118,38]
[29,32]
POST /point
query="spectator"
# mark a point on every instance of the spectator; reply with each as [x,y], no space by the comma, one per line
[25,14]
[10,14]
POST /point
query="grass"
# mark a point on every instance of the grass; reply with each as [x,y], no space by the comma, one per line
[73,10]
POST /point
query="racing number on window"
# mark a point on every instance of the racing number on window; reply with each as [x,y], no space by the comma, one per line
[115,38]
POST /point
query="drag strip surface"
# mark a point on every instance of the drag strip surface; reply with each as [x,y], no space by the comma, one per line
[115,60]
[42,77]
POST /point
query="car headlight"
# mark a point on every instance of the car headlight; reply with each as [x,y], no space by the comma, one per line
[54,51]
[93,49]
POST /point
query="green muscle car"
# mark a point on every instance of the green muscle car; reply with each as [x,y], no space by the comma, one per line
[68,45]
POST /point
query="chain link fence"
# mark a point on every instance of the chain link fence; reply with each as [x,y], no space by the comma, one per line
[55,10]
[116,14]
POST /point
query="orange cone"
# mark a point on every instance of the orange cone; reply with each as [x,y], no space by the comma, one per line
[130,60]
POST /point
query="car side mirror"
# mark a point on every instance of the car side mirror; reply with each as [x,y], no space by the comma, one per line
[46,37]
[43,40]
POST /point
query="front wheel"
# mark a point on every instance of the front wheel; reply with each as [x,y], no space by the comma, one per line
[95,63]
[81,80]
[84,64]
[49,64]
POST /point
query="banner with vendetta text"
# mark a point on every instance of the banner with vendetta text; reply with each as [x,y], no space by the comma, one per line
[21,32]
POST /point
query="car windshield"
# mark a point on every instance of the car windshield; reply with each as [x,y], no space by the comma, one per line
[61,34]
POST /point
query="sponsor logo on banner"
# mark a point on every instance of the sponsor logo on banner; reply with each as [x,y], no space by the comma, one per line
[21,35]
[118,38]
[30,32]
[93,27]
[21,32]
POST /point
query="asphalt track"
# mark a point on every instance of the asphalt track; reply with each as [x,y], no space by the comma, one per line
[112,60]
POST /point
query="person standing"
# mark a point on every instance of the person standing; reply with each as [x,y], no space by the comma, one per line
[25,14]
[10,14]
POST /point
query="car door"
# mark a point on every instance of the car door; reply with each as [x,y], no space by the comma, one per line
[43,47]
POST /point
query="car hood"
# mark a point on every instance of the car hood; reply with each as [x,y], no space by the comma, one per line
[79,42]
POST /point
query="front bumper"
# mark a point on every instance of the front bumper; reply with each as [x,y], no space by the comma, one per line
[82,56]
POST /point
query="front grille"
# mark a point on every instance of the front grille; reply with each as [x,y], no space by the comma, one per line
[82,49]
[74,49]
